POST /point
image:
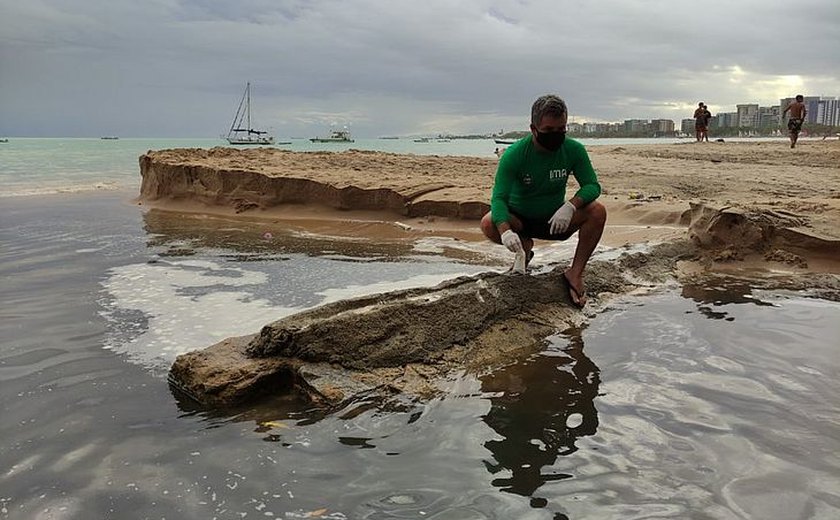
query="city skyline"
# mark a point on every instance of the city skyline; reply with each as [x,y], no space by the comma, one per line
[821,110]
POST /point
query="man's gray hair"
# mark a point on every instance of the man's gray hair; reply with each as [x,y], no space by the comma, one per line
[547,105]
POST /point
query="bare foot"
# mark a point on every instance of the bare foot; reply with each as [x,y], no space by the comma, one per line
[577,292]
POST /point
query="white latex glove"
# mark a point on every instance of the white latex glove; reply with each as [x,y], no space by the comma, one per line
[511,241]
[559,222]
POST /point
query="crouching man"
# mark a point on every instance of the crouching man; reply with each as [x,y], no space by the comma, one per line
[529,194]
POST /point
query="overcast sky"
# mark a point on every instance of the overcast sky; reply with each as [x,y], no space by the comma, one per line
[176,68]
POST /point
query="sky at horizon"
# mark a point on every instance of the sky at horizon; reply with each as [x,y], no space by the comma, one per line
[177,68]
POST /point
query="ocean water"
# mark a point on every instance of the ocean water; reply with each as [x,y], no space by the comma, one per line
[34,166]
[714,400]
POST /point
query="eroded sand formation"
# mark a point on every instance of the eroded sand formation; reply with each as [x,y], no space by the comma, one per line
[259,179]
[737,203]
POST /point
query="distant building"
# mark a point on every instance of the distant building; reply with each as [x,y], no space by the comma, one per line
[812,105]
[635,125]
[828,112]
[747,114]
[662,126]
[687,126]
[768,116]
[726,120]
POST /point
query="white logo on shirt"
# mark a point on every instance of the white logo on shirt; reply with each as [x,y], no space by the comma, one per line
[558,175]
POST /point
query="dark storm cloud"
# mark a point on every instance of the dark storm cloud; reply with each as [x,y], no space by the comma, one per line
[167,67]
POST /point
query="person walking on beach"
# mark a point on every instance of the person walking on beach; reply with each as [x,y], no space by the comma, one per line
[700,121]
[529,194]
[797,117]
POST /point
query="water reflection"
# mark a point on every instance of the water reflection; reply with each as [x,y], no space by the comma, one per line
[183,234]
[544,405]
[713,292]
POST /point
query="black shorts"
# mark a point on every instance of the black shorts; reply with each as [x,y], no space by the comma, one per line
[795,125]
[538,228]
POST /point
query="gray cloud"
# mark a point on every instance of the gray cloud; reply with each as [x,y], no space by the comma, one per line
[176,68]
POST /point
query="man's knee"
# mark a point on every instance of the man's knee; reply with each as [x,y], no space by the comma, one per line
[596,212]
[488,228]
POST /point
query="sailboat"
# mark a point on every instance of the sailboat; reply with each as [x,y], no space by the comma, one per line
[239,134]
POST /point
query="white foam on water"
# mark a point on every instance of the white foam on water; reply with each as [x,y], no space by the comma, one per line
[185,308]
[352,291]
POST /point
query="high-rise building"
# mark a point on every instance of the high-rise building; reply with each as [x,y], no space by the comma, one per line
[768,116]
[812,105]
[747,114]
[662,126]
[635,125]
[828,111]
[687,126]
[725,120]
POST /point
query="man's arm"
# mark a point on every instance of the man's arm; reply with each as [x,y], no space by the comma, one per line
[502,184]
[586,178]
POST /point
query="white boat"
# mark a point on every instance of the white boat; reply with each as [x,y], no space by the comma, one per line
[240,130]
[336,136]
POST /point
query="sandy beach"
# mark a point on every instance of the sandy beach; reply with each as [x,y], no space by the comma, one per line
[652,186]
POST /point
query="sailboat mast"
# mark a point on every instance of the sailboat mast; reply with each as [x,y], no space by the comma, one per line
[248,90]
[237,119]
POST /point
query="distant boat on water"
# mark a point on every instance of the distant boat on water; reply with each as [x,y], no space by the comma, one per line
[336,136]
[240,130]
[109,137]
[3,140]
[505,141]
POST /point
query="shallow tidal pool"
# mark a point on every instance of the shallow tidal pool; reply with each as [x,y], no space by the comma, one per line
[707,401]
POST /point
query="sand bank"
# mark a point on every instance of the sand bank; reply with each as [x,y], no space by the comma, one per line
[792,195]
[718,206]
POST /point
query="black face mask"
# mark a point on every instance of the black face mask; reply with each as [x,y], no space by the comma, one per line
[551,141]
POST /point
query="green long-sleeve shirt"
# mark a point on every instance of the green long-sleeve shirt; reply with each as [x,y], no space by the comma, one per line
[532,183]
